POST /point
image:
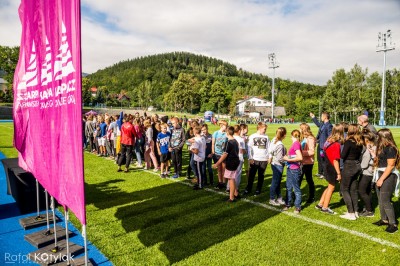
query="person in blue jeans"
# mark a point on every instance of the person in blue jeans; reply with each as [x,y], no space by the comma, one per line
[207,165]
[276,153]
[293,173]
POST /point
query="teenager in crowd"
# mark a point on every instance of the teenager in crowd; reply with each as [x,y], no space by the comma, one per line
[243,133]
[331,152]
[365,183]
[242,150]
[293,159]
[139,141]
[231,159]
[276,153]
[89,130]
[149,155]
[324,131]
[189,135]
[198,148]
[208,159]
[351,154]
[128,136]
[387,158]
[162,148]
[258,157]
[218,146]
[175,146]
[308,143]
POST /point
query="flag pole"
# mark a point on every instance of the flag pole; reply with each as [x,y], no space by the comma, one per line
[55,249]
[47,213]
[85,243]
[84,234]
[66,214]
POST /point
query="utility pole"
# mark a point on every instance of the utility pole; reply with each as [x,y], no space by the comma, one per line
[273,64]
[384,45]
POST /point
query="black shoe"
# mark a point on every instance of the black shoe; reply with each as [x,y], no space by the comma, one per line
[310,200]
[246,192]
[217,186]
[380,223]
[391,229]
[257,192]
[366,213]
[238,197]
[196,187]
[231,201]
[318,207]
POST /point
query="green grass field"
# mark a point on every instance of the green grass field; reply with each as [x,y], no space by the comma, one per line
[141,219]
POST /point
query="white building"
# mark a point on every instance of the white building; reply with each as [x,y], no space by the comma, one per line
[244,106]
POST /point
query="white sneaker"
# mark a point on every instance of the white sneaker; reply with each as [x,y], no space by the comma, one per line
[349,216]
[280,201]
[356,214]
[274,202]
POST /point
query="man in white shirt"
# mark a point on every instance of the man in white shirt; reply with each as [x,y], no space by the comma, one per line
[258,158]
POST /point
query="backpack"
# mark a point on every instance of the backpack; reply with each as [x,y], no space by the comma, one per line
[324,148]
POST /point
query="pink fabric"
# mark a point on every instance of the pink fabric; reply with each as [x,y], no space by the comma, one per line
[47,99]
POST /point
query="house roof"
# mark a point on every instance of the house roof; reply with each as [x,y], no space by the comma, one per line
[250,98]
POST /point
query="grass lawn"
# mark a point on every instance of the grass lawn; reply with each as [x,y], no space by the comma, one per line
[141,219]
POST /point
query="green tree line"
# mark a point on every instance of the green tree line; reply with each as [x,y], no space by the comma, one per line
[181,81]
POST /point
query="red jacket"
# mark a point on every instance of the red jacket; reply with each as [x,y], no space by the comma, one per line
[128,134]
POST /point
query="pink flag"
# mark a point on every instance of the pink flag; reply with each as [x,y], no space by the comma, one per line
[47,99]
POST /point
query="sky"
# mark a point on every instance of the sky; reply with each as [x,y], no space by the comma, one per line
[310,38]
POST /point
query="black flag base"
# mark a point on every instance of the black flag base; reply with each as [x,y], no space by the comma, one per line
[46,237]
[31,222]
[74,262]
[47,255]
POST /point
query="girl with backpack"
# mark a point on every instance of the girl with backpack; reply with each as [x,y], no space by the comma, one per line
[331,152]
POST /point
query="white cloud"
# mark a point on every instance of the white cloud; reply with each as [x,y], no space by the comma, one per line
[311,38]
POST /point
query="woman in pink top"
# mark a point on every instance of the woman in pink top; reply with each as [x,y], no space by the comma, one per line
[293,160]
[308,150]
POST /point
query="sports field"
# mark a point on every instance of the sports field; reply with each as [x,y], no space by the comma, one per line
[140,219]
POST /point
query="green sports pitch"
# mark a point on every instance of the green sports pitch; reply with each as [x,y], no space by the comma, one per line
[140,219]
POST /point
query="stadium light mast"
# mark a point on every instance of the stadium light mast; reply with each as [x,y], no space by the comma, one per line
[273,64]
[384,45]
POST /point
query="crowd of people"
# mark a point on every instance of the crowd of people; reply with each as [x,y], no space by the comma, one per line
[356,155]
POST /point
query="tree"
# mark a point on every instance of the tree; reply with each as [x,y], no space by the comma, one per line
[184,93]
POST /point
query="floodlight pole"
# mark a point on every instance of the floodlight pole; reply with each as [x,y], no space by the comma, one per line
[384,45]
[273,64]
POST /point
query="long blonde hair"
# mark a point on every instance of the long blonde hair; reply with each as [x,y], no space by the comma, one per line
[305,131]
[337,134]
[354,134]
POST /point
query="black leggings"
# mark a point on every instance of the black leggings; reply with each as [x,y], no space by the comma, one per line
[364,189]
[349,184]
[307,171]
[384,198]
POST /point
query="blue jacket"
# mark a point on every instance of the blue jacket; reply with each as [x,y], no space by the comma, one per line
[325,130]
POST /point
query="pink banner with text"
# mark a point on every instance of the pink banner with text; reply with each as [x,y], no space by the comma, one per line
[47,99]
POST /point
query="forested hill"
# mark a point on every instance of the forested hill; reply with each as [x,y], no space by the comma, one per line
[192,83]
